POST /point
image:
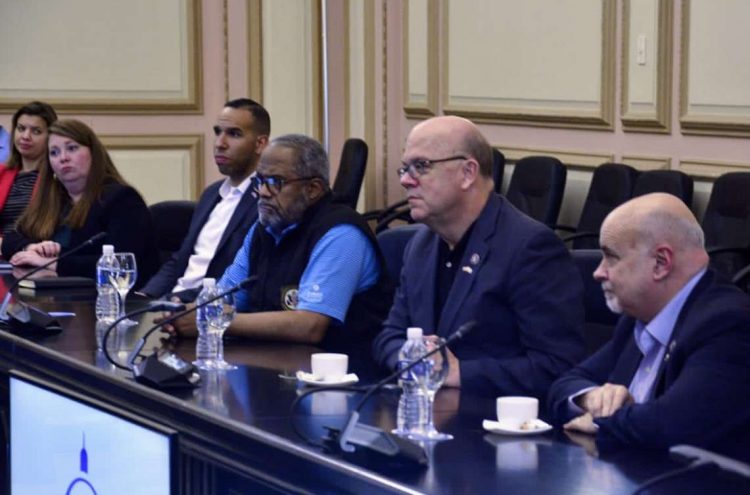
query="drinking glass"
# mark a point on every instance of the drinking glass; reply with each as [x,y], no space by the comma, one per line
[220,314]
[123,278]
[435,371]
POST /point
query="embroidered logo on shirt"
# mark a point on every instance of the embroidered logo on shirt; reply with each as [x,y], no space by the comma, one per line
[289,297]
[312,294]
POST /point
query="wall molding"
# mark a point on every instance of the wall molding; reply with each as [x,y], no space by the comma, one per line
[428,107]
[543,112]
[91,101]
[645,162]
[658,118]
[571,158]
[706,118]
[192,143]
[711,169]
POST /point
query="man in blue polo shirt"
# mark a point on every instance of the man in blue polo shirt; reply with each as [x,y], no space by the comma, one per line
[319,271]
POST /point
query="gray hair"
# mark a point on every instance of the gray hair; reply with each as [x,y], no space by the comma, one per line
[312,160]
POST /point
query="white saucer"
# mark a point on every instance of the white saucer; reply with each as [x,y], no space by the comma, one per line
[314,381]
[503,428]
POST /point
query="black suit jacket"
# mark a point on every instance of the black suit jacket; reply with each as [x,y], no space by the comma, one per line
[242,219]
[702,393]
[123,215]
[517,281]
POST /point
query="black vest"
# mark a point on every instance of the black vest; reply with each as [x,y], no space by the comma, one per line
[279,269]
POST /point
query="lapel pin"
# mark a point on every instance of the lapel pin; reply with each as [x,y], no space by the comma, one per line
[474,260]
[467,269]
[672,345]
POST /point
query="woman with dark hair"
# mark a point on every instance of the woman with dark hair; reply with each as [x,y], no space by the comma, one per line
[80,194]
[18,178]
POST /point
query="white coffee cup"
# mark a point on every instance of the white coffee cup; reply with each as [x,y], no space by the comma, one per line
[328,366]
[515,411]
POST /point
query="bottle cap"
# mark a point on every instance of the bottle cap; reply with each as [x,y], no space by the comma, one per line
[209,282]
[108,249]
[413,333]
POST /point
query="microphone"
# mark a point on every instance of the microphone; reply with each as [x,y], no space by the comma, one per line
[166,369]
[151,307]
[375,438]
[23,316]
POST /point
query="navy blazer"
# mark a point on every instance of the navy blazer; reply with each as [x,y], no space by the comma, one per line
[702,393]
[242,219]
[122,214]
[518,282]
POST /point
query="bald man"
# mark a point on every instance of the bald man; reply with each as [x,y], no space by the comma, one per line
[478,258]
[677,369]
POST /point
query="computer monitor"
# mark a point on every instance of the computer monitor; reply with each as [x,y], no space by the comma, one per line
[63,442]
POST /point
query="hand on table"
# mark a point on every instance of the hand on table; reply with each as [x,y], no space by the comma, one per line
[183,326]
[605,400]
[47,249]
[583,423]
[31,258]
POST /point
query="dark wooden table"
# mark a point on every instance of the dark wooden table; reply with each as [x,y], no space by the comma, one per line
[236,432]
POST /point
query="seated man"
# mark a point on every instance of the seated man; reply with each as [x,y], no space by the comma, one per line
[677,369]
[318,265]
[481,259]
[226,209]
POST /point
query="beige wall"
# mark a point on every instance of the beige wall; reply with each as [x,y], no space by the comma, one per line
[654,83]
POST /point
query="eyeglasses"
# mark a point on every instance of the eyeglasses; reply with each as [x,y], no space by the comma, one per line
[273,183]
[419,167]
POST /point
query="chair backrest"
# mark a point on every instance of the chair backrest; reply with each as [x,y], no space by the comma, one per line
[171,224]
[498,169]
[673,182]
[536,187]
[351,172]
[611,185]
[599,320]
[392,243]
[726,222]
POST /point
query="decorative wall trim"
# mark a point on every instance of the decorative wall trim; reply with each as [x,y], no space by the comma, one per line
[713,118]
[656,117]
[185,100]
[642,162]
[575,159]
[192,143]
[542,112]
[255,49]
[428,107]
[711,169]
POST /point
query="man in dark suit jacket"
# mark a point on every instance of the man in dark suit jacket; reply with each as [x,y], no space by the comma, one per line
[481,259]
[677,369]
[226,210]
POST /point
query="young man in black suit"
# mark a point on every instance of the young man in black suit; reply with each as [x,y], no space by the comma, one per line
[226,209]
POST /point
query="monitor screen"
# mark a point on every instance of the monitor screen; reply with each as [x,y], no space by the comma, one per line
[60,442]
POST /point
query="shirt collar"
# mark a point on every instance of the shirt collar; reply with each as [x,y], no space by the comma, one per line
[662,325]
[227,188]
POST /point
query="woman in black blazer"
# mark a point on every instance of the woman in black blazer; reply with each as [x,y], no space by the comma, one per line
[80,194]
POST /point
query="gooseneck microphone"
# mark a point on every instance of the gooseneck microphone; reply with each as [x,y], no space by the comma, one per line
[31,316]
[375,438]
[167,370]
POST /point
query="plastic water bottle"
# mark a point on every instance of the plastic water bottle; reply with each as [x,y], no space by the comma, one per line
[205,348]
[107,298]
[412,406]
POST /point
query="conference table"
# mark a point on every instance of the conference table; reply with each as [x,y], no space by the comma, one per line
[236,432]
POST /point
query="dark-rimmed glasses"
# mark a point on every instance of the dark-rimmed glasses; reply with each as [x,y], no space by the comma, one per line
[273,183]
[419,167]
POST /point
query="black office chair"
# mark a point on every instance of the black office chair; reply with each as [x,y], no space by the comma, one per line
[351,172]
[611,185]
[392,243]
[498,169]
[171,224]
[726,223]
[673,182]
[536,187]
[599,321]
